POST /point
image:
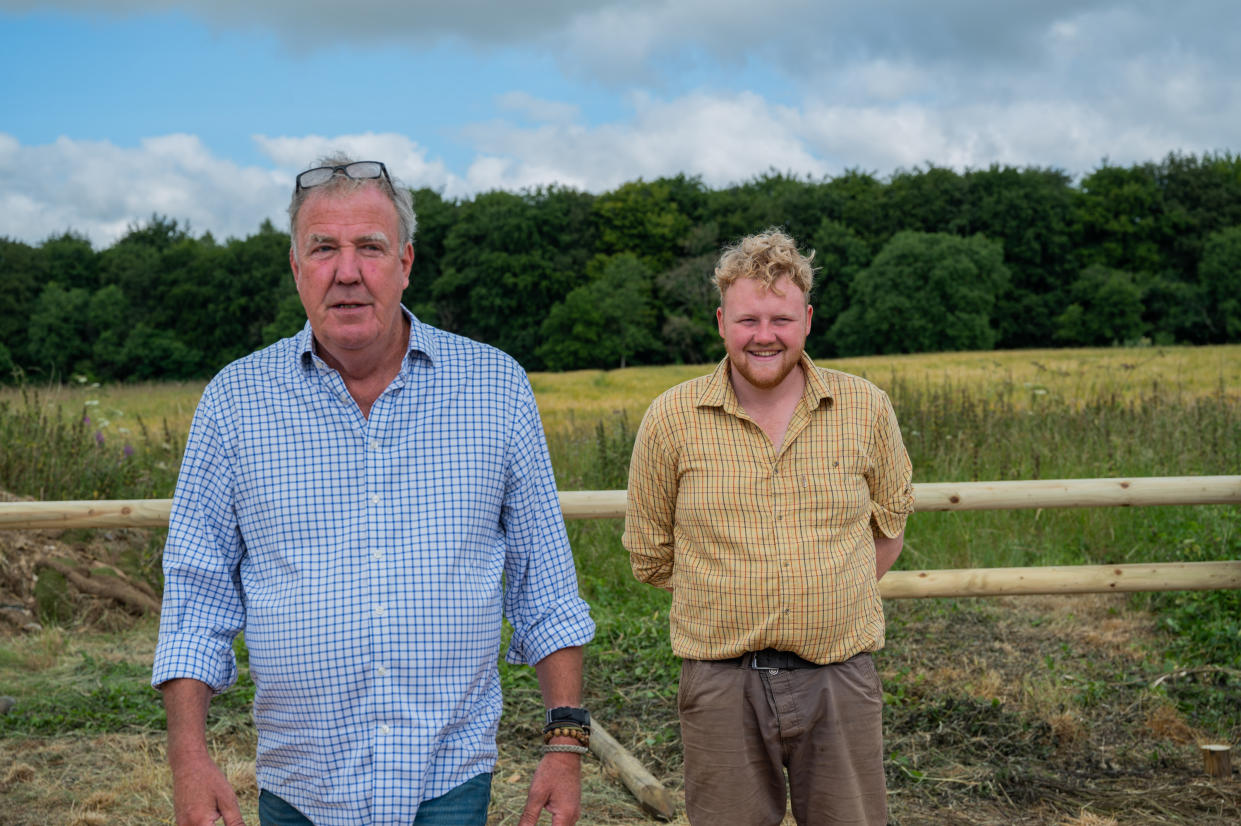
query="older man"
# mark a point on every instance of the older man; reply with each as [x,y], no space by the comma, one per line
[366,499]
[769,497]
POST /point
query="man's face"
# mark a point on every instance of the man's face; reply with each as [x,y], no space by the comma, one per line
[350,270]
[764,331]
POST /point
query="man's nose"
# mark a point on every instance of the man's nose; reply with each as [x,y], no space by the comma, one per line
[348,266]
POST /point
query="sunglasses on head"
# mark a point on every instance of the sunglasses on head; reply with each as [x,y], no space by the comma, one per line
[358,171]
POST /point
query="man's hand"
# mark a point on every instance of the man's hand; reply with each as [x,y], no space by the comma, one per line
[202,795]
[556,787]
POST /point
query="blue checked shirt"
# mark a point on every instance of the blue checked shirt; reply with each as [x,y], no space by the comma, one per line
[368,561]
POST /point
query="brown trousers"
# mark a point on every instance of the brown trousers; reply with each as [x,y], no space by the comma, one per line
[743,728]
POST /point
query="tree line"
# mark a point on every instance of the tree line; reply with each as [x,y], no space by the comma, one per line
[928,259]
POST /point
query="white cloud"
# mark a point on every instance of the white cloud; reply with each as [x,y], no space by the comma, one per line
[404,158]
[98,189]
[724,139]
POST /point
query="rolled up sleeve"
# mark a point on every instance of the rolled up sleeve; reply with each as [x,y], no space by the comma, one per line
[541,598]
[890,476]
[203,607]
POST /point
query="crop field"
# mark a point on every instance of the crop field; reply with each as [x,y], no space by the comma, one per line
[1018,710]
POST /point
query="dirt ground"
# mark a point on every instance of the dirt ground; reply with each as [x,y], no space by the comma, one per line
[1015,711]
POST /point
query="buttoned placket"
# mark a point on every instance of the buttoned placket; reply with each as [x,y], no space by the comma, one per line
[377,462]
[784,499]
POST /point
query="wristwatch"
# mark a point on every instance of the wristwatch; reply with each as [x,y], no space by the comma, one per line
[570,715]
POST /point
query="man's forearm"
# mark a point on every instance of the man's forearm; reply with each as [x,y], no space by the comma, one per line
[560,677]
[186,702]
[886,552]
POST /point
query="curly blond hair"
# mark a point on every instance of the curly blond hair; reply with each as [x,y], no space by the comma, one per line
[766,257]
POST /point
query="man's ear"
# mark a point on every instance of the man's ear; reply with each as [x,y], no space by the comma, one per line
[407,261]
[293,262]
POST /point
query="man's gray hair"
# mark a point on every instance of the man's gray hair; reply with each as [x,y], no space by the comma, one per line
[339,183]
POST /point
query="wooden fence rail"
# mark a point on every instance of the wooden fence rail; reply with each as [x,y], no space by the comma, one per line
[942,496]
[610,504]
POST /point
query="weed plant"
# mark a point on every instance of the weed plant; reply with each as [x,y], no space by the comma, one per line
[49,453]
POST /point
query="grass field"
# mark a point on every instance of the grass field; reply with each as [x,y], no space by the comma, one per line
[567,400]
[1018,710]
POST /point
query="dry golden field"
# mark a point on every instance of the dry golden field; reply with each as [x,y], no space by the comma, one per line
[582,396]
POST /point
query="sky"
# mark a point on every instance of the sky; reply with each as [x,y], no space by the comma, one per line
[203,111]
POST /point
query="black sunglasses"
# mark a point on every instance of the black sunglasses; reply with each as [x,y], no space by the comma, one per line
[358,171]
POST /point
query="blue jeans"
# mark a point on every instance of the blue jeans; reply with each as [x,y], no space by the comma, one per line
[465,805]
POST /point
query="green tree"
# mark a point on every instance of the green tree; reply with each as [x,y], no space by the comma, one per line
[69,260]
[1106,308]
[839,255]
[686,293]
[771,199]
[1220,275]
[508,259]
[436,217]
[644,219]
[157,354]
[21,280]
[926,200]
[1120,215]
[605,323]
[924,292]
[289,320]
[1031,212]
[109,321]
[58,346]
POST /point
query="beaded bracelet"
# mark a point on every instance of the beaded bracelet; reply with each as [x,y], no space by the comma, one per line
[568,749]
[578,733]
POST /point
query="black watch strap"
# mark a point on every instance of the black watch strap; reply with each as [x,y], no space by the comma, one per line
[569,714]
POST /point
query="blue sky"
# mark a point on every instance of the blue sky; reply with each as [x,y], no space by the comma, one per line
[203,110]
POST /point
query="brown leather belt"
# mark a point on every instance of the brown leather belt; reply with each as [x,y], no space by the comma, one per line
[769,658]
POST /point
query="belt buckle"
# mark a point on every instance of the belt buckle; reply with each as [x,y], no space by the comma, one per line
[754,666]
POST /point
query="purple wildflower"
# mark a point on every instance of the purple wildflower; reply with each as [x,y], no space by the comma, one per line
[99,437]
[128,450]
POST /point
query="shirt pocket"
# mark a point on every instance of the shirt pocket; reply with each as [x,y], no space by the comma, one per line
[836,492]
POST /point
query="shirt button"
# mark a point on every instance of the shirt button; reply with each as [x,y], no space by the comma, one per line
[373,444]
[377,555]
[374,498]
[383,729]
[379,610]
[382,671]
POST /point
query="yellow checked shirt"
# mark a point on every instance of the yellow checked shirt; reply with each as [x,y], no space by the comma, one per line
[763,549]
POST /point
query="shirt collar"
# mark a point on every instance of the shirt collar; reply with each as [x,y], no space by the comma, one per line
[719,392]
[421,342]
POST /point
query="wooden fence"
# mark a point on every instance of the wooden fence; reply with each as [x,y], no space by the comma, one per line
[943,496]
